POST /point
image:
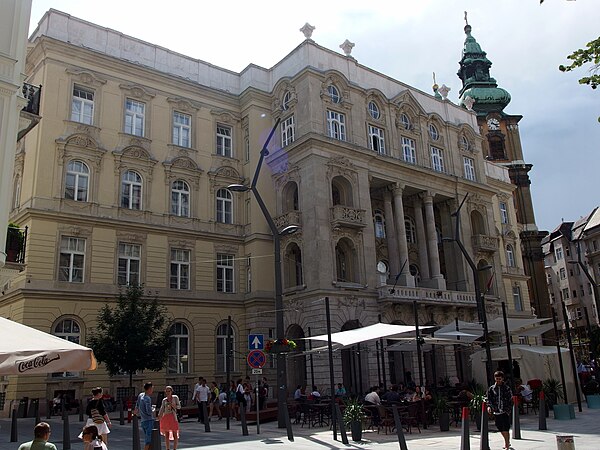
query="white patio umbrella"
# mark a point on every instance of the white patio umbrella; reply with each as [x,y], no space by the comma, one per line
[25,350]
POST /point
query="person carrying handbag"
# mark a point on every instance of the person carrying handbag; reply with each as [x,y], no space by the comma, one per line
[97,415]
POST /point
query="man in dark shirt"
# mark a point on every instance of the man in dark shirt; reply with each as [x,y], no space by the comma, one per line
[499,397]
[391,395]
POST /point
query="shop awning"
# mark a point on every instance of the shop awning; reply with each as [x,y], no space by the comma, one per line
[364,334]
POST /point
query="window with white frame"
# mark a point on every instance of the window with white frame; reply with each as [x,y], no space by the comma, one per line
[405,121]
[469,166]
[409,150]
[503,212]
[224,206]
[221,356]
[374,110]
[287,131]
[383,271]
[379,220]
[182,129]
[559,253]
[77,181]
[72,259]
[411,231]
[562,273]
[178,360]
[578,313]
[180,269]
[180,198]
[336,125]
[287,98]
[131,190]
[464,143]
[517,298]
[510,256]
[334,94]
[82,105]
[376,140]
[249,273]
[69,330]
[225,273]
[246,148]
[129,264]
[433,132]
[224,141]
[135,116]
[437,159]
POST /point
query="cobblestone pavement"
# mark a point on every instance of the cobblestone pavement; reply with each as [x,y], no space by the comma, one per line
[585,429]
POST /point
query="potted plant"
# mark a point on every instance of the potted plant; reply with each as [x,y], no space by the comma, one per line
[15,238]
[280,346]
[353,418]
[479,396]
[553,391]
[440,406]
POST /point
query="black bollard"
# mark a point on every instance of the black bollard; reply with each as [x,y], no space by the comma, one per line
[465,443]
[398,423]
[206,419]
[243,420]
[542,412]
[288,425]
[37,412]
[66,432]
[49,406]
[516,423]
[80,409]
[484,442]
[14,432]
[155,444]
[340,419]
[121,414]
[136,433]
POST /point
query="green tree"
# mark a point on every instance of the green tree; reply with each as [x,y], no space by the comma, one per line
[132,335]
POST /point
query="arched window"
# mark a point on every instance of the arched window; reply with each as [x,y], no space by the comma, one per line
[374,110]
[16,193]
[510,256]
[415,272]
[383,270]
[341,191]
[411,234]
[131,190]
[334,94]
[221,357]
[345,261]
[287,98]
[496,144]
[180,198]
[224,206]
[293,266]
[405,121]
[433,132]
[69,330]
[379,220]
[178,349]
[477,223]
[77,181]
[290,197]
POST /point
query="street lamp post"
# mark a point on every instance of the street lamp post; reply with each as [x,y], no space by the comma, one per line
[482,315]
[279,331]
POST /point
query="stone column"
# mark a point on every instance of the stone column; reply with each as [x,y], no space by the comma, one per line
[437,279]
[421,239]
[390,233]
[406,279]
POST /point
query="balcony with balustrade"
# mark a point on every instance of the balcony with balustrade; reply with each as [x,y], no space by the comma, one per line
[425,296]
[346,216]
[484,243]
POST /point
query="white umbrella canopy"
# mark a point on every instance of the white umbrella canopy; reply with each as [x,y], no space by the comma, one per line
[369,333]
[25,350]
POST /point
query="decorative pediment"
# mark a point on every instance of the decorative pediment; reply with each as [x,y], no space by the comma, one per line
[80,140]
[127,236]
[406,101]
[138,91]
[183,104]
[337,80]
[225,117]
[282,178]
[182,243]
[79,146]
[226,248]
[86,77]
[136,152]
[284,98]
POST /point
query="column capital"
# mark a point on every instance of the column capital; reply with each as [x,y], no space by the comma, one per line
[397,188]
[428,196]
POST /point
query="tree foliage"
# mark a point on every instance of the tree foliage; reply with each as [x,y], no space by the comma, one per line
[132,335]
[590,54]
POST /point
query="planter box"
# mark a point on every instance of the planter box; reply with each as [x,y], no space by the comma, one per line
[564,412]
[280,348]
[593,401]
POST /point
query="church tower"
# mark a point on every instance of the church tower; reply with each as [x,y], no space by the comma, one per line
[502,145]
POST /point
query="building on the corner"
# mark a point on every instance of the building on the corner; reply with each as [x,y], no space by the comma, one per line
[125,180]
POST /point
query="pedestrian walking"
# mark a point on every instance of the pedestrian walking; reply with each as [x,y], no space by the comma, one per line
[41,435]
[92,440]
[201,396]
[97,415]
[143,407]
[214,400]
[500,404]
[167,415]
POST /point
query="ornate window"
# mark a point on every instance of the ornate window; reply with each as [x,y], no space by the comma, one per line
[411,234]
[287,131]
[379,220]
[376,140]
[345,261]
[510,256]
[72,259]
[69,330]
[433,132]
[131,190]
[383,271]
[517,298]
[409,150]
[82,105]
[224,206]
[287,98]
[415,272]
[77,181]
[334,94]
[224,141]
[135,116]
[503,213]
[405,121]
[437,159]
[225,273]
[336,125]
[180,269]
[293,266]
[182,126]
[180,198]
[129,264]
[469,167]
[221,356]
[374,110]
[178,349]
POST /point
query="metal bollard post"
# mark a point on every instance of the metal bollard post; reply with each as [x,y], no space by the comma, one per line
[398,423]
[340,419]
[14,432]
[80,409]
[206,419]
[465,443]
[155,444]
[66,432]
[516,425]
[136,433]
[288,425]
[37,412]
[243,420]
[121,415]
[542,412]
[49,406]
[484,441]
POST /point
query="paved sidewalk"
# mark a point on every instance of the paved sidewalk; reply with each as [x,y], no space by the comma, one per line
[585,428]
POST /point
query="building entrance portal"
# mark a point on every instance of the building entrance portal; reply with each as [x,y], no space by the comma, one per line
[296,365]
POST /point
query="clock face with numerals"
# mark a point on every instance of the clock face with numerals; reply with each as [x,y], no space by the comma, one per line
[493,124]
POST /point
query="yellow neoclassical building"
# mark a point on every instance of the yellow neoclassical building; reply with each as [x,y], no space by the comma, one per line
[125,180]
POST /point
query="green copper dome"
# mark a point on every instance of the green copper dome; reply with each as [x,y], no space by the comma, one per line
[477,84]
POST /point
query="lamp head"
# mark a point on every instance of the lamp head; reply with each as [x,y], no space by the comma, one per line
[290,229]
[448,239]
[573,262]
[238,188]
[486,267]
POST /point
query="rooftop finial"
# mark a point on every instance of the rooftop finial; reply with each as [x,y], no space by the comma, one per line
[307,30]
[466,21]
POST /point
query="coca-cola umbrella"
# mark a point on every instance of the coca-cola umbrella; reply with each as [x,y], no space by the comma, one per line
[25,350]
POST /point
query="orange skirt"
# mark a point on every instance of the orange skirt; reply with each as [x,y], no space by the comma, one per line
[169,426]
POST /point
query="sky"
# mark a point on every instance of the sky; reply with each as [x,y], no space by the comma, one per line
[408,41]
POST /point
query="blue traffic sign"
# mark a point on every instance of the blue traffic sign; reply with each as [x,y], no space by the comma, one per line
[256,341]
